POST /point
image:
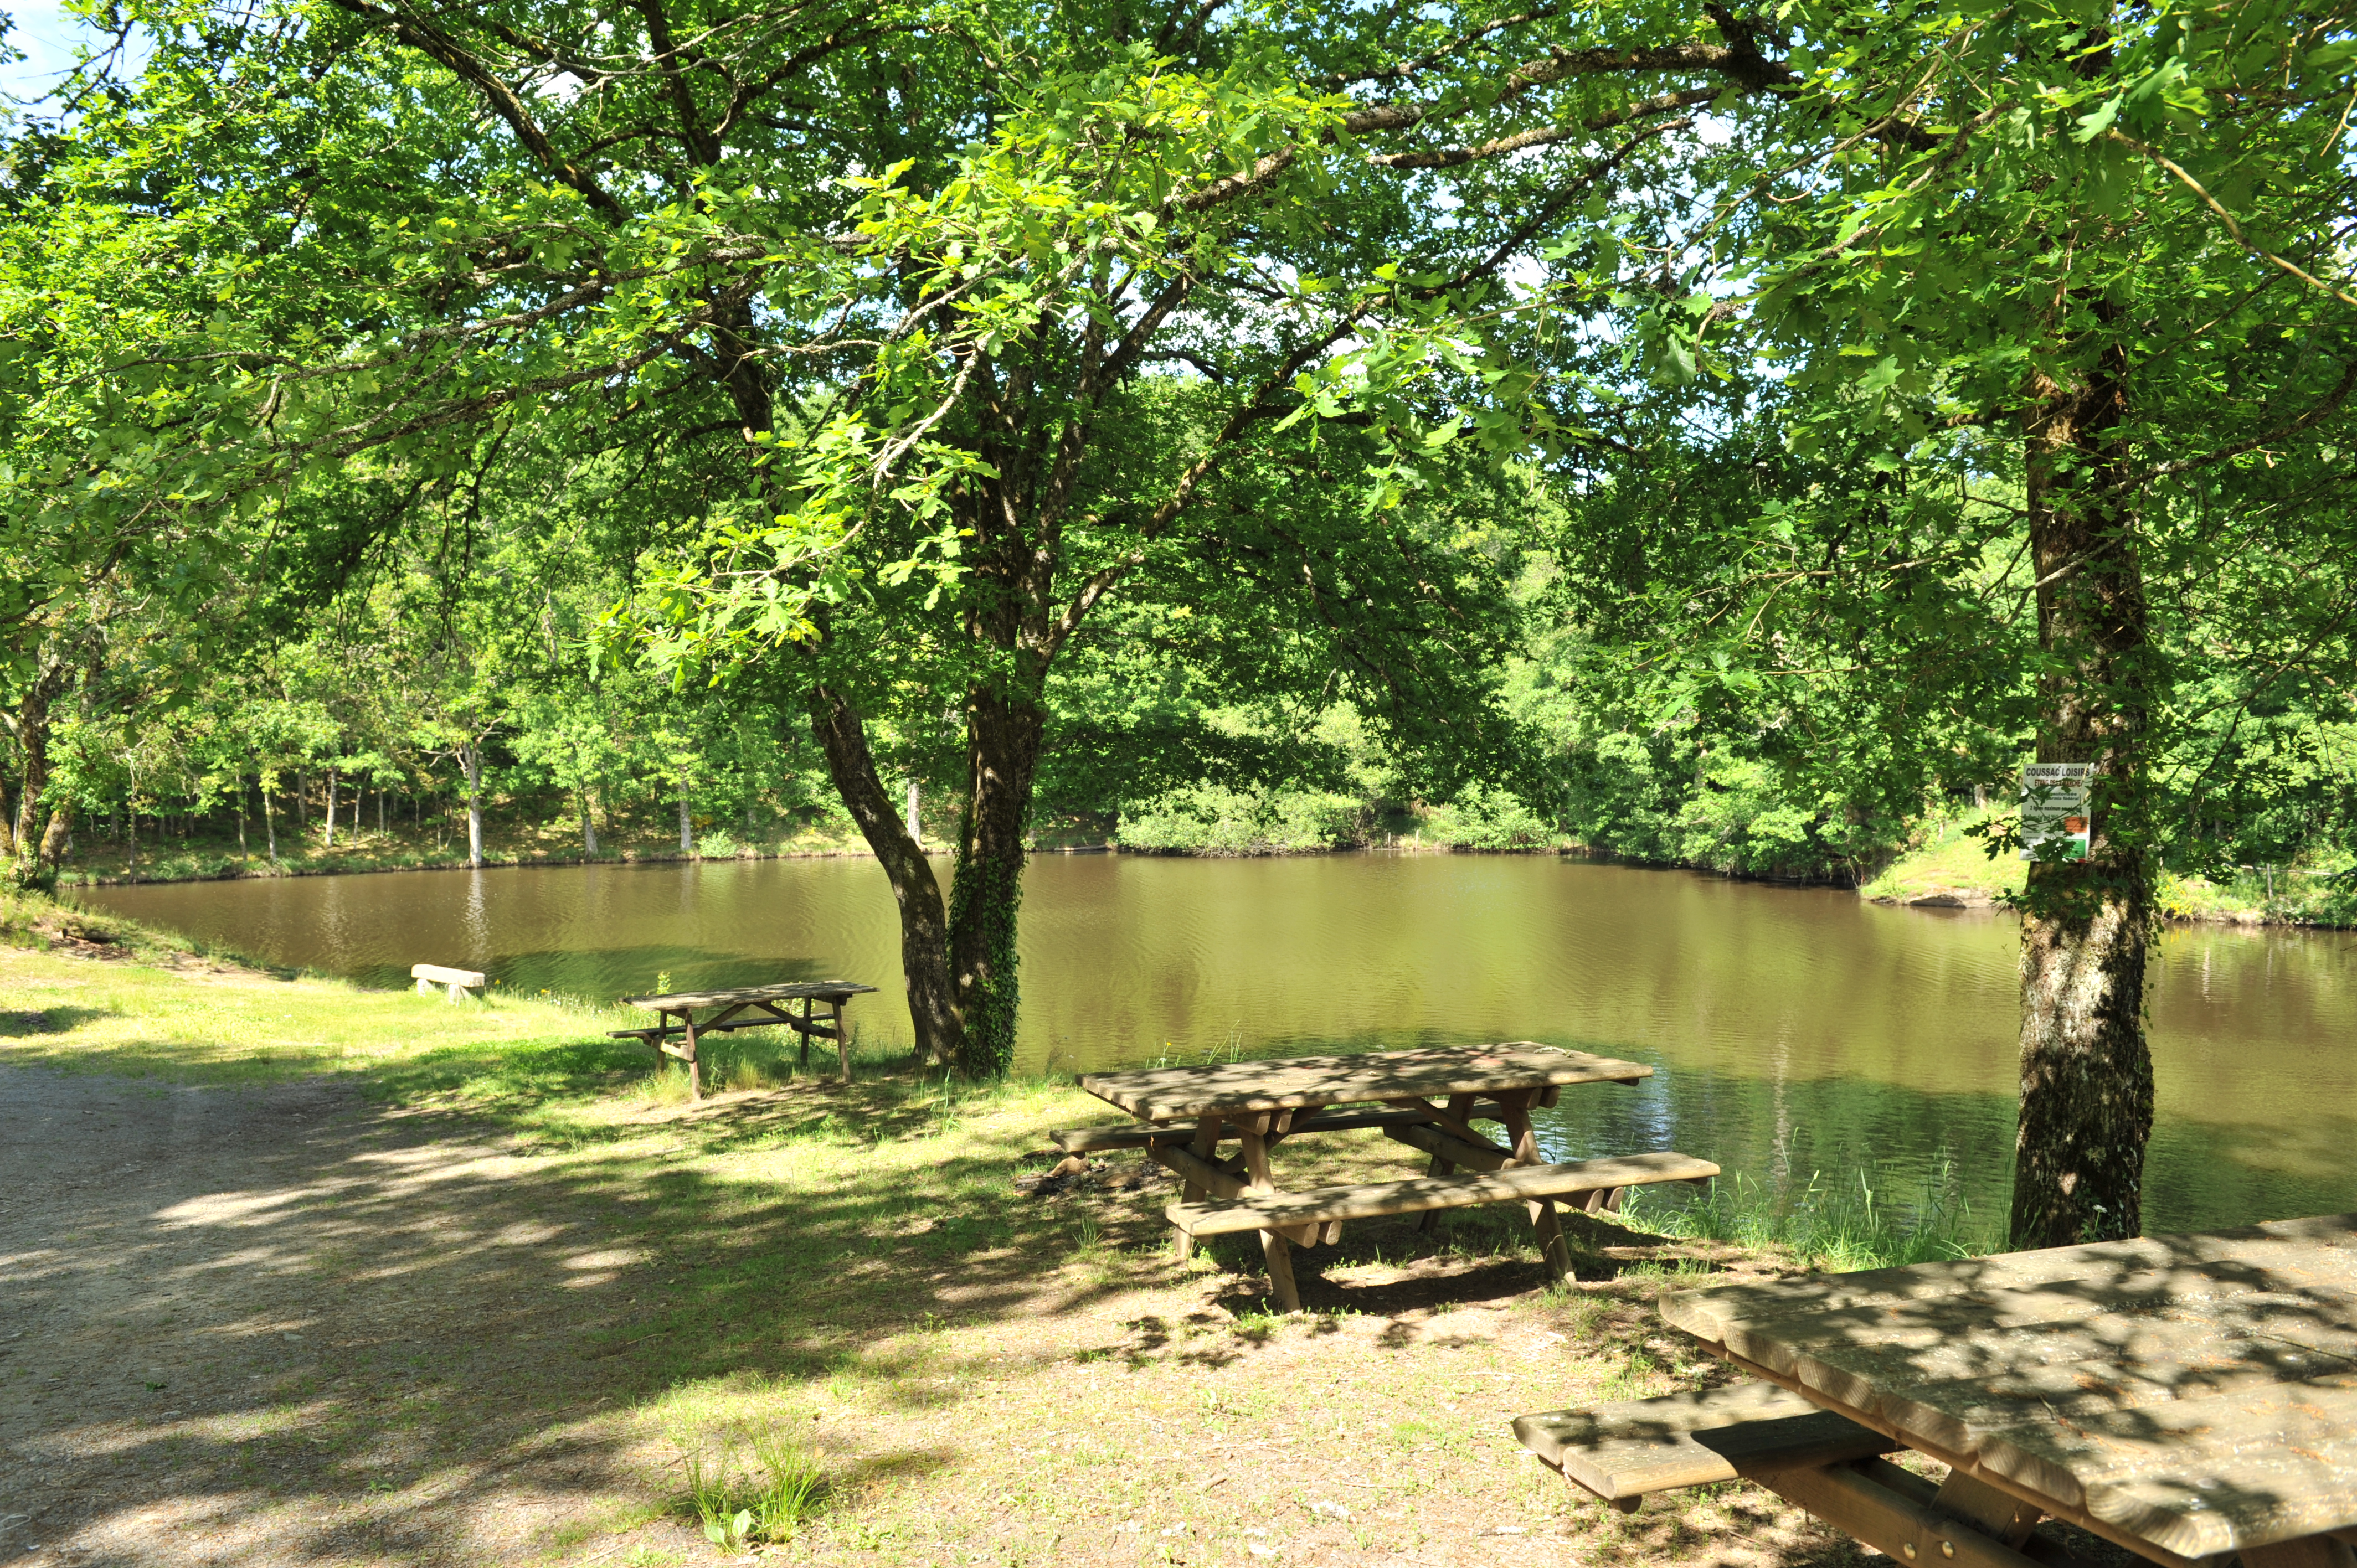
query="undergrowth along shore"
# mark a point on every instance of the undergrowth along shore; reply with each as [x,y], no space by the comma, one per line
[1946,869]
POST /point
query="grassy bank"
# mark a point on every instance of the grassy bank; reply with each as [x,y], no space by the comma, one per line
[1947,867]
[850,1314]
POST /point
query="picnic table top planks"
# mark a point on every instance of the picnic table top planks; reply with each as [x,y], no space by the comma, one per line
[744,995]
[2197,1394]
[1162,1094]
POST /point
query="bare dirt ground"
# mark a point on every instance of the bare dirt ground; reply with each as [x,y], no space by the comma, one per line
[242,1326]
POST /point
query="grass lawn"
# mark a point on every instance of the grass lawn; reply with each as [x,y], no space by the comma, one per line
[400,1281]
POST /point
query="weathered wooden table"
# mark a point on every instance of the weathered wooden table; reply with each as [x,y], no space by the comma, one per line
[1431,1097]
[745,1007]
[2185,1397]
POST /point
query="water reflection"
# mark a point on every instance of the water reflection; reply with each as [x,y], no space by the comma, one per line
[1794,1031]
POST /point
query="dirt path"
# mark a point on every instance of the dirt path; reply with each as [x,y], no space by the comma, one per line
[272,1326]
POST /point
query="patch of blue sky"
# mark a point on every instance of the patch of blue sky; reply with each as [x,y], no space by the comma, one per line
[50,38]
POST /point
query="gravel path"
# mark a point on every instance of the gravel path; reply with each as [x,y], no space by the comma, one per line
[277,1325]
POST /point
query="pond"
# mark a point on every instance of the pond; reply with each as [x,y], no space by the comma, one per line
[1796,1032]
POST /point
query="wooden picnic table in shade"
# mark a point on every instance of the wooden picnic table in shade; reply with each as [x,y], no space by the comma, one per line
[1431,1098]
[745,1007]
[2184,1397]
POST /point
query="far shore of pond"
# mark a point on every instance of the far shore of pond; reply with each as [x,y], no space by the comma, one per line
[1948,872]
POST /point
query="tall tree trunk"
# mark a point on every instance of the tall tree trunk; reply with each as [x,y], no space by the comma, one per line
[588,826]
[933,1009]
[35,866]
[915,825]
[332,780]
[687,827]
[269,819]
[470,758]
[302,805]
[1003,738]
[241,816]
[2086,1071]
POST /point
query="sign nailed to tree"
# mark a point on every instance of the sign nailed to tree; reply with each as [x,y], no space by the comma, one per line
[2054,810]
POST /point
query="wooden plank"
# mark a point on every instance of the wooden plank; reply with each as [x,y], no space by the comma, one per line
[2313,1551]
[439,974]
[1442,1166]
[1197,1172]
[1630,1447]
[682,1001]
[1516,1184]
[1952,1370]
[2201,1476]
[1161,1094]
[1877,1502]
[1091,1140]
[2302,1255]
[1484,1156]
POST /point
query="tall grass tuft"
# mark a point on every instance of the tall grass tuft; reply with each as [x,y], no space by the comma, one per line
[767,1500]
[1840,1226]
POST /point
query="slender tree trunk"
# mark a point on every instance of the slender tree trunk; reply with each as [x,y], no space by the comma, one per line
[269,819]
[686,828]
[1003,738]
[588,826]
[471,759]
[2086,1072]
[241,816]
[332,780]
[302,805]
[34,864]
[916,824]
[924,928]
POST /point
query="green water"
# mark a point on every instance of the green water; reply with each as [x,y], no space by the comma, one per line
[1793,1031]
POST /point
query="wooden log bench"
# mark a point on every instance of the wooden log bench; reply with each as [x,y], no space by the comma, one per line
[1315,1216]
[457,984]
[1822,1460]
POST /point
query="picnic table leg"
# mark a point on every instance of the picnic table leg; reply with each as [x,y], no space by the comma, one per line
[804,1033]
[1206,1145]
[1459,1104]
[842,1043]
[695,1070]
[1272,1245]
[1515,1110]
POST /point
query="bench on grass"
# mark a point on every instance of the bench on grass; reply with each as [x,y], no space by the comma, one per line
[1820,1459]
[1315,1216]
[456,983]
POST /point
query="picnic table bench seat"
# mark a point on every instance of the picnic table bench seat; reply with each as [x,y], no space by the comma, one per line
[1830,1464]
[1624,1450]
[1287,1211]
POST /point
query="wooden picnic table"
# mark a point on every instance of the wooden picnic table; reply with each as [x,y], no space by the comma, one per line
[2184,1397]
[745,1007]
[1431,1098]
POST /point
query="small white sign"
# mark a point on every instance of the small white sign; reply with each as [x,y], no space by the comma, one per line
[2054,809]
